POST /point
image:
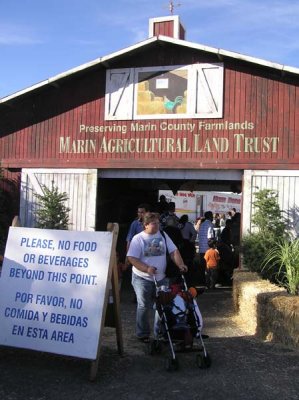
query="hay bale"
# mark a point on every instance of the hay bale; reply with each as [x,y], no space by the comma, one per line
[278,318]
[242,278]
[247,286]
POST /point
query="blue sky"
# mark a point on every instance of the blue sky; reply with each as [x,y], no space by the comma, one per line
[42,38]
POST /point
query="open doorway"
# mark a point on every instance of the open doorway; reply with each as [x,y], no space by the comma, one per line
[118,198]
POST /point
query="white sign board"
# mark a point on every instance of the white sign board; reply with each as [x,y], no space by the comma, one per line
[196,203]
[52,290]
[186,202]
[218,202]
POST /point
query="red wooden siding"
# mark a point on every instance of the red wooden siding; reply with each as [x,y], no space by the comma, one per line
[9,204]
[165,28]
[31,127]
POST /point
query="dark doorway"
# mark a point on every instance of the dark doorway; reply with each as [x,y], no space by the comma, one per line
[118,199]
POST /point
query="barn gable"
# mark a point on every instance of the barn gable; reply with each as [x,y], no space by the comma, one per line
[162,97]
[164,104]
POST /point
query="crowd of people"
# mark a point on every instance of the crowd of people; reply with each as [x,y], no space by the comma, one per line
[158,236]
[223,233]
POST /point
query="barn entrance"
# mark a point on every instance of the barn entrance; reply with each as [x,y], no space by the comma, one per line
[120,192]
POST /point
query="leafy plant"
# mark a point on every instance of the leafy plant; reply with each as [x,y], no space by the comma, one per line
[254,247]
[268,217]
[270,226]
[283,258]
[53,213]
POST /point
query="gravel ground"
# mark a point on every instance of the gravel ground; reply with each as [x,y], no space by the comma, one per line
[242,366]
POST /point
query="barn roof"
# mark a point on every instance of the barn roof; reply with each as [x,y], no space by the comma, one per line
[141,46]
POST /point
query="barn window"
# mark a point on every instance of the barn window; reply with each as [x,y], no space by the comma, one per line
[189,91]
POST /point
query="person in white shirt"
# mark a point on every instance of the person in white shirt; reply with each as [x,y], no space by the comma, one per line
[147,254]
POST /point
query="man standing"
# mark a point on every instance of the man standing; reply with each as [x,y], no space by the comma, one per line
[135,228]
[147,254]
[206,232]
[137,225]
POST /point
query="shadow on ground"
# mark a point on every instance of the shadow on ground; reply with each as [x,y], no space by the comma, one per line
[242,367]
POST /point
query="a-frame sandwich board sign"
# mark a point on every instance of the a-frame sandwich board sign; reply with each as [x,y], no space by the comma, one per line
[54,289]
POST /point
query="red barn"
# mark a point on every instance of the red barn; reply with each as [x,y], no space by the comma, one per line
[163,113]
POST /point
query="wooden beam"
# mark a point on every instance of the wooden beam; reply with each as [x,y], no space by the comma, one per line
[114,228]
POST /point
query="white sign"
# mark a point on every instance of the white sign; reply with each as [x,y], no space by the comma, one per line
[196,203]
[52,290]
[185,202]
[222,202]
[161,83]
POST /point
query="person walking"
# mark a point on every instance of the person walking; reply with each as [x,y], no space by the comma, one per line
[206,232]
[187,249]
[147,254]
[135,228]
[226,234]
[170,223]
[212,258]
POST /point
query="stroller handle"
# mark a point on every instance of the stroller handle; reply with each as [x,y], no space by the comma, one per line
[183,280]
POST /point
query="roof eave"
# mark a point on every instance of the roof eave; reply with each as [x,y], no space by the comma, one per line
[82,67]
[104,60]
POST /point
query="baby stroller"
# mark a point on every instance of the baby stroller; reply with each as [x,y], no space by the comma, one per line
[180,323]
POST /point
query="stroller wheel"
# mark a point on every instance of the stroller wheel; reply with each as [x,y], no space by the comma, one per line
[154,347]
[203,361]
[172,364]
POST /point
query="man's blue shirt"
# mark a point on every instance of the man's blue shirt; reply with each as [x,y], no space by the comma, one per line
[135,227]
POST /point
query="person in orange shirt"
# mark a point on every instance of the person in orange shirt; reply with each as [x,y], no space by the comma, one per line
[212,259]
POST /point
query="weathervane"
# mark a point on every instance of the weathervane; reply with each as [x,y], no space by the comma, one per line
[172,6]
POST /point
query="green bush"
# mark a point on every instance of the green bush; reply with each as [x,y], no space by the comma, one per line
[52,214]
[267,216]
[270,226]
[254,248]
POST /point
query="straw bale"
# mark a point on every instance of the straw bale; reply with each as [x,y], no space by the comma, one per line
[265,310]
[242,278]
[247,286]
[278,318]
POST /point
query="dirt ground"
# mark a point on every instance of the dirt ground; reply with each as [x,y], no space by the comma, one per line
[242,366]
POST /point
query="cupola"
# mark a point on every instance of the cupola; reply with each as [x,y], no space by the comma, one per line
[167,26]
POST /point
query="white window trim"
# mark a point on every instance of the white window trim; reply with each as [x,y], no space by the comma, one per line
[128,94]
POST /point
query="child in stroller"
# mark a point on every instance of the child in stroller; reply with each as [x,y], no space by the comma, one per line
[180,323]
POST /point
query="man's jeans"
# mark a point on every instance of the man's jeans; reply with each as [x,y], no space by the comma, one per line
[146,294]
